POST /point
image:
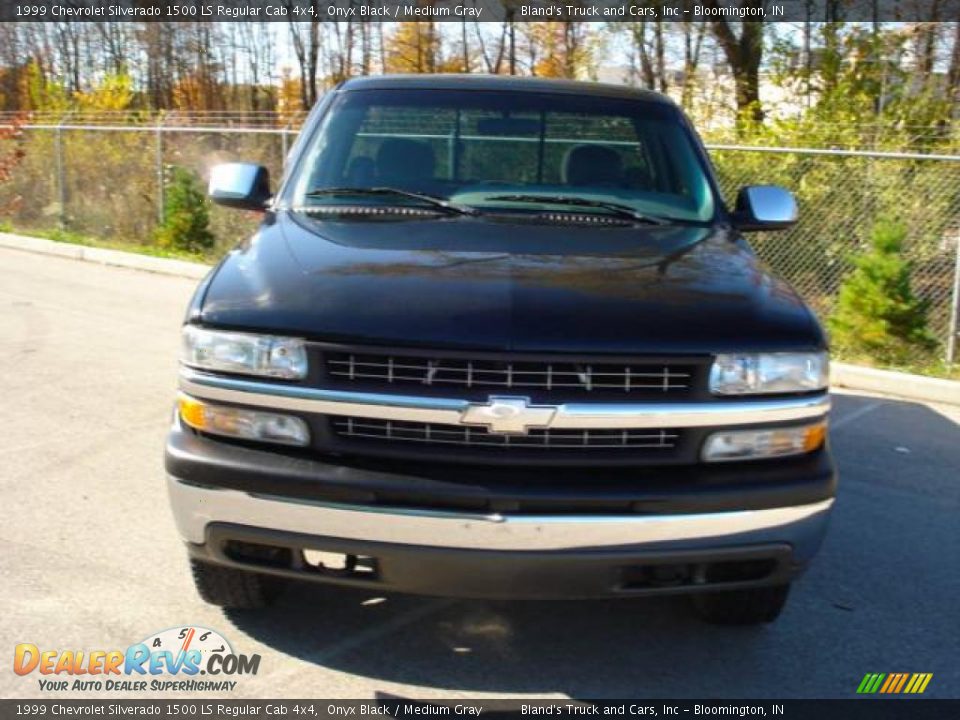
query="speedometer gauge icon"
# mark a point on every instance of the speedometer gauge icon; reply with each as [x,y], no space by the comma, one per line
[180,640]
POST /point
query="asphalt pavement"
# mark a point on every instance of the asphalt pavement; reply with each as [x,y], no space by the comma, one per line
[91,560]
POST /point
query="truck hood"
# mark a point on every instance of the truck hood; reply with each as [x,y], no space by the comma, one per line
[507,284]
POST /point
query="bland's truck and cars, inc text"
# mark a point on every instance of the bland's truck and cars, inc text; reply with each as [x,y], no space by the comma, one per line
[500,337]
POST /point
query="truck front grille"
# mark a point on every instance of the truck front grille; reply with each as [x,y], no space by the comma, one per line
[462,435]
[491,374]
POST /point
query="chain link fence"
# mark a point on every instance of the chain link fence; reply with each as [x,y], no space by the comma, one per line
[842,196]
[106,180]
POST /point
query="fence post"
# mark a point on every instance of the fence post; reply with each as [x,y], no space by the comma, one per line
[955,305]
[61,174]
[284,146]
[161,200]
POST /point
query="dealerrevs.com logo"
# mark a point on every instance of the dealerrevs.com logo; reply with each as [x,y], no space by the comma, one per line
[170,660]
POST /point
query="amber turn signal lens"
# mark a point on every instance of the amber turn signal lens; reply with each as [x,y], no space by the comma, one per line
[192,412]
[815,436]
[763,443]
[242,423]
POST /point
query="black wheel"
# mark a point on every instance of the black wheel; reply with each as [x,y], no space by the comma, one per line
[232,588]
[742,607]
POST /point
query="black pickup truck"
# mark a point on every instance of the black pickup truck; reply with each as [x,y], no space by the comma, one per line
[500,337]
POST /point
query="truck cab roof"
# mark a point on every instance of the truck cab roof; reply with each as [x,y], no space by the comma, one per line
[502,83]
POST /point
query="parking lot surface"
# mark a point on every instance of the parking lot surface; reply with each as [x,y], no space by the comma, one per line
[91,559]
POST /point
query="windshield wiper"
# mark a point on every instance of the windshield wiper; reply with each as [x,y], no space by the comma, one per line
[617,209]
[436,202]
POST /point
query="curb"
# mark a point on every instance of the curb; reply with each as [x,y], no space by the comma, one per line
[896,384]
[853,377]
[118,258]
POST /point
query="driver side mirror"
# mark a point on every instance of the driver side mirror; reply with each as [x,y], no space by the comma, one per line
[240,185]
[764,207]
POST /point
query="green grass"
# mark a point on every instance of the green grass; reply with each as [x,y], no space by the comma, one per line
[937,368]
[73,238]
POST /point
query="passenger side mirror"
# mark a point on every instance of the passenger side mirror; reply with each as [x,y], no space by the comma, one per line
[764,207]
[240,185]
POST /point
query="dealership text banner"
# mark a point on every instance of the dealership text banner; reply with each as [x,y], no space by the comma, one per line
[477,10]
[408,709]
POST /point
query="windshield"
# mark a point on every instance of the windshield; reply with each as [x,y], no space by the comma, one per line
[506,151]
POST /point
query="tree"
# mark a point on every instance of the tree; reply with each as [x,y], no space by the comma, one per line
[877,314]
[113,94]
[563,48]
[495,46]
[413,47]
[953,73]
[289,107]
[306,46]
[650,49]
[744,55]
[186,219]
[157,40]
[693,33]
[13,68]
[257,44]
[42,93]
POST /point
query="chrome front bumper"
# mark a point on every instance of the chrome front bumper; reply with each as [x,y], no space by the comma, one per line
[196,508]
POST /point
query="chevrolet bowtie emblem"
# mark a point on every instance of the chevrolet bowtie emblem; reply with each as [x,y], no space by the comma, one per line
[508,415]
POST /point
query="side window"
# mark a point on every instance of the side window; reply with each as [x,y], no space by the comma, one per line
[669,160]
[677,168]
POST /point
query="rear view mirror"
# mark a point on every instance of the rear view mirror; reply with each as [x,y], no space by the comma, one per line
[764,207]
[240,185]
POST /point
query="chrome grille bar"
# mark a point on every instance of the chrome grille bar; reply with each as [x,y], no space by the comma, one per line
[568,415]
[391,431]
[453,372]
[515,384]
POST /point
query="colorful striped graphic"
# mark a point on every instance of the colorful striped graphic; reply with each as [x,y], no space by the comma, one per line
[891,683]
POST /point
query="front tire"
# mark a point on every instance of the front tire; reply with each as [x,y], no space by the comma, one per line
[742,607]
[232,588]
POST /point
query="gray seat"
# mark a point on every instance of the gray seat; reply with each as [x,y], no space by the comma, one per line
[400,159]
[592,165]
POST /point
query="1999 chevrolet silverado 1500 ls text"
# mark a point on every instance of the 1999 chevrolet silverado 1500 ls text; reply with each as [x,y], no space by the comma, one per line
[500,337]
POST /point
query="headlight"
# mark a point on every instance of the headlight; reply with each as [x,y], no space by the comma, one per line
[768,373]
[759,444]
[277,357]
[243,424]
